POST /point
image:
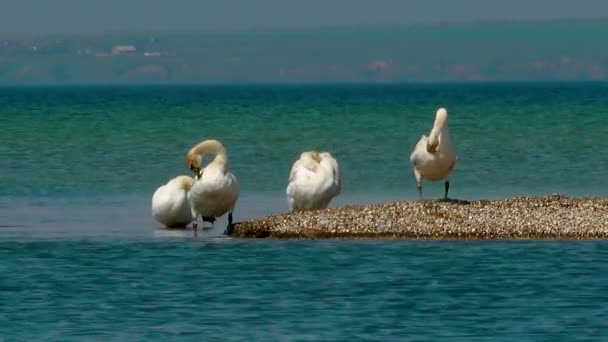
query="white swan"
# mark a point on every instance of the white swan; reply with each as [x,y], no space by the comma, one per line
[314,180]
[170,205]
[434,158]
[215,190]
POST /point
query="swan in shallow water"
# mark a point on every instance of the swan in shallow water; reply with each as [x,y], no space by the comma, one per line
[313,181]
[433,157]
[170,204]
[215,190]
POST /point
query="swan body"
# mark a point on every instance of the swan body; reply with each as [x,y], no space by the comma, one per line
[215,190]
[313,181]
[170,205]
[433,157]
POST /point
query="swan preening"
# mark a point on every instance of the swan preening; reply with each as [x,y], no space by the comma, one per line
[433,157]
[215,190]
[314,180]
[170,204]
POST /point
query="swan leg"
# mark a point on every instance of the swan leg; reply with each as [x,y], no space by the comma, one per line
[447,188]
[230,226]
[195,226]
[418,182]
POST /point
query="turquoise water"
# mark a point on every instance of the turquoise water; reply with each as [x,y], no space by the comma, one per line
[234,290]
[81,258]
[98,141]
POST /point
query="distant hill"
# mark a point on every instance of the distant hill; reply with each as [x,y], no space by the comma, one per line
[506,51]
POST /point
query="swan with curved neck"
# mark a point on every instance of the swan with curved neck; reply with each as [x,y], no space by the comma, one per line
[170,204]
[313,181]
[215,189]
[433,157]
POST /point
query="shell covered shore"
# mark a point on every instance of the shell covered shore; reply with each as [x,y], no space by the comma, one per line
[550,217]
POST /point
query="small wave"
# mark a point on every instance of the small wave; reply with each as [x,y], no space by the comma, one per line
[12,226]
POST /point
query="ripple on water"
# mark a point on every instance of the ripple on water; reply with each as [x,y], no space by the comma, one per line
[231,289]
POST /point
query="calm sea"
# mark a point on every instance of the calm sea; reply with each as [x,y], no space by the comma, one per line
[82,259]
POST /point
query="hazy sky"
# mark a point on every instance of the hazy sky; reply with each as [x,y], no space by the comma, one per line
[52,16]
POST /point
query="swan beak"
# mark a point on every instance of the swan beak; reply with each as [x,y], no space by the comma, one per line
[196,170]
[431,148]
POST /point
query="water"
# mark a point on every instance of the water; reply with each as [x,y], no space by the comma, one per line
[81,258]
[97,141]
[233,290]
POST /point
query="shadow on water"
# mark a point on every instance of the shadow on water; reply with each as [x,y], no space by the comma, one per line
[190,233]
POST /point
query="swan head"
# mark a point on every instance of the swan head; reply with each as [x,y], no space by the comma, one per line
[311,156]
[432,147]
[310,160]
[441,119]
[193,161]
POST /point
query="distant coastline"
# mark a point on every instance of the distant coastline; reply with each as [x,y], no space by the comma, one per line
[557,50]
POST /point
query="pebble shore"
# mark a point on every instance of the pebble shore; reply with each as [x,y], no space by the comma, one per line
[549,217]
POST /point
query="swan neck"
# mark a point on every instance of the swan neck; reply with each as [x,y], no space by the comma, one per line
[213,147]
[439,129]
[220,159]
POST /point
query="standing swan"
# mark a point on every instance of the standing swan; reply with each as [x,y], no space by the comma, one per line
[215,190]
[170,205]
[313,181]
[434,158]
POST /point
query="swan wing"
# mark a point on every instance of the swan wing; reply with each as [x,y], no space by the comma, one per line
[170,207]
[214,194]
[294,171]
[299,171]
[419,149]
[159,200]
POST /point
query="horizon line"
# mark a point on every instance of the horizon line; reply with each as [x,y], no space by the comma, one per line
[377,27]
[288,84]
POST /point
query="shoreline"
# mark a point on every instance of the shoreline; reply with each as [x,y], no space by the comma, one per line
[547,217]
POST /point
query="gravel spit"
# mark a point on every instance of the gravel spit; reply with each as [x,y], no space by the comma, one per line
[549,217]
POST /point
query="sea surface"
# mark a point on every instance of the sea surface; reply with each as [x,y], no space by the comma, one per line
[81,258]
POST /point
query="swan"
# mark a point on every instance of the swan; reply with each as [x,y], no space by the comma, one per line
[215,190]
[314,180]
[170,204]
[433,157]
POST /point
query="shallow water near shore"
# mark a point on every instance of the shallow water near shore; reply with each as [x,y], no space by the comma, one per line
[82,258]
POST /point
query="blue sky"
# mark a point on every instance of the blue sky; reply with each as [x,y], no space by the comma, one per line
[70,16]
